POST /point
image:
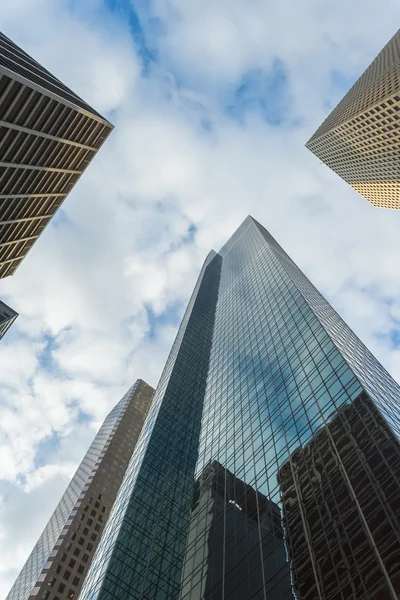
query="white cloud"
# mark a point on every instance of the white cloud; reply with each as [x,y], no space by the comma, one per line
[108,65]
[42,474]
[82,336]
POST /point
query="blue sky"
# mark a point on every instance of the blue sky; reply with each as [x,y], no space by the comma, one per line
[212,104]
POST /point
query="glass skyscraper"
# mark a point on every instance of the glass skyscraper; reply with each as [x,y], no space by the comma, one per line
[269,464]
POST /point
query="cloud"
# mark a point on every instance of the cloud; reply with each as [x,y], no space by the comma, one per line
[193,152]
[42,474]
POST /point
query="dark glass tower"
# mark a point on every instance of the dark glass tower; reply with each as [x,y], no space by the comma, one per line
[269,465]
[58,564]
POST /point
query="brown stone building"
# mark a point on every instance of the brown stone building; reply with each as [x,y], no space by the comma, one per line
[57,566]
[48,136]
[360,139]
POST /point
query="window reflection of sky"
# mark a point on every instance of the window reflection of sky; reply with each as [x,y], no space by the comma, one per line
[274,374]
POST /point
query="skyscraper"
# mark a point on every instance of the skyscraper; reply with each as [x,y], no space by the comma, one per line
[58,564]
[261,366]
[228,521]
[360,139]
[7,318]
[48,136]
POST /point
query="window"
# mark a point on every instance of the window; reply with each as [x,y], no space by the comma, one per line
[93,537]
[89,522]
[67,575]
[77,551]
[61,587]
[72,563]
[81,541]
[97,527]
[76,581]
[64,556]
[71,593]
[52,581]
[86,531]
[93,513]
[81,568]
[58,569]
[85,557]
[90,547]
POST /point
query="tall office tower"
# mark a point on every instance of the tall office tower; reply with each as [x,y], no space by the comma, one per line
[360,139]
[48,136]
[260,365]
[58,564]
[7,318]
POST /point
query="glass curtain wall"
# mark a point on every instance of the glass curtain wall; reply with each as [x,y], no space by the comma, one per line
[270,464]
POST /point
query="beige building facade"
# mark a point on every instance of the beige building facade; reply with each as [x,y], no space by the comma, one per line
[58,564]
[360,139]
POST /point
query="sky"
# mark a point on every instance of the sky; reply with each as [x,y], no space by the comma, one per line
[212,104]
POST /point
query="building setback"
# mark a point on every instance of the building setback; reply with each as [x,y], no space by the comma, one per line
[58,564]
[7,318]
[48,136]
[360,139]
[261,367]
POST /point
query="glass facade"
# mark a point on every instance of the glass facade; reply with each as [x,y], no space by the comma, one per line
[48,137]
[269,465]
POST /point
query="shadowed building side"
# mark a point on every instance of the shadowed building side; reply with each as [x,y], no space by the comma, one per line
[7,318]
[143,550]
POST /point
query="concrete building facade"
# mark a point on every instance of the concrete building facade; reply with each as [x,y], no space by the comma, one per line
[58,564]
[48,136]
[360,139]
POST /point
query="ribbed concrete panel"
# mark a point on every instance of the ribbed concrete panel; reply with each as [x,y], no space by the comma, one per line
[48,136]
[7,318]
